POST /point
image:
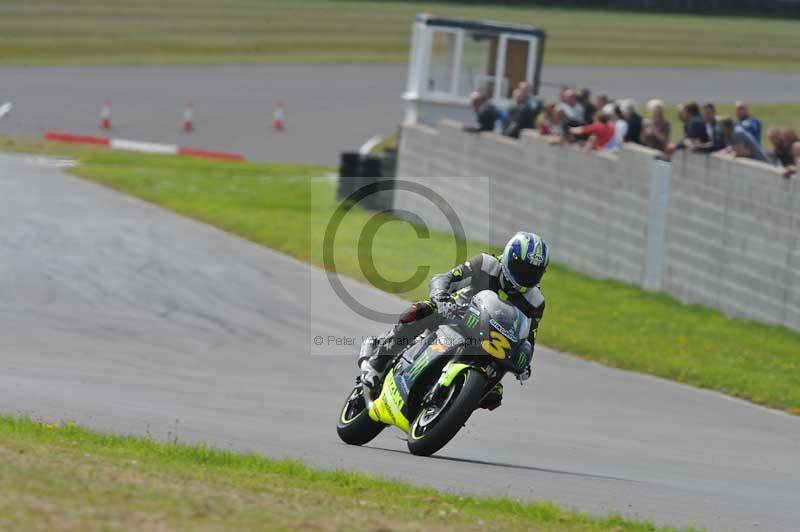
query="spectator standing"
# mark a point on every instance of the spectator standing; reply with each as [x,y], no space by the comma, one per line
[485,111]
[790,137]
[694,127]
[791,140]
[780,154]
[572,108]
[563,125]
[601,101]
[656,129]
[634,120]
[750,124]
[524,113]
[741,142]
[786,149]
[562,92]
[549,123]
[585,99]
[716,141]
[620,125]
[600,132]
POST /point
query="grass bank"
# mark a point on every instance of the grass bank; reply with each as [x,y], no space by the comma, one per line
[284,207]
[63,477]
[38,32]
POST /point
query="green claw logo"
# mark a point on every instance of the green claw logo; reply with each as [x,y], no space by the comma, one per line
[419,365]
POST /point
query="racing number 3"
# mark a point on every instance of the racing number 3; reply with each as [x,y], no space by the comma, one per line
[497,346]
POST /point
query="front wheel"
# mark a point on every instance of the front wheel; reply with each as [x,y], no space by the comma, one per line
[355,427]
[437,424]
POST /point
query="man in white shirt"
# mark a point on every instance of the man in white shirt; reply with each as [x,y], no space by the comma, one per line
[572,108]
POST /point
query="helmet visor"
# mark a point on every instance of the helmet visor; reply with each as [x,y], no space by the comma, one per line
[525,274]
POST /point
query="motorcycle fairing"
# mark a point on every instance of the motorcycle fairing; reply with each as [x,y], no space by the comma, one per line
[388,407]
[441,344]
[391,405]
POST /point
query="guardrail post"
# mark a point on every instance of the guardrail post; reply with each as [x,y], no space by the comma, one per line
[660,173]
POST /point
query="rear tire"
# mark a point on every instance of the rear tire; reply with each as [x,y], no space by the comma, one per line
[355,427]
[431,430]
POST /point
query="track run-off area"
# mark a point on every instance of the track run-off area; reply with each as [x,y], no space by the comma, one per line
[130,319]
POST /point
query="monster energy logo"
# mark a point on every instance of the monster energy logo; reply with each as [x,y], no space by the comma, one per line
[420,364]
[472,321]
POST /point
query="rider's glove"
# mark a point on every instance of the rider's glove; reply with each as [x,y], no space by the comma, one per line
[445,305]
[524,375]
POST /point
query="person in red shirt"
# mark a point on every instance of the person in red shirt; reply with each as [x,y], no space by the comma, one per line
[600,132]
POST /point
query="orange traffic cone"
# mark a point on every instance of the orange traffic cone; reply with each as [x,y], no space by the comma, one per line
[277,117]
[188,117]
[105,115]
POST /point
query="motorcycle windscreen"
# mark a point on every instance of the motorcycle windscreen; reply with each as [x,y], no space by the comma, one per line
[500,329]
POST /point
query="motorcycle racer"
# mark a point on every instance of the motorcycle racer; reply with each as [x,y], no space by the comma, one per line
[514,275]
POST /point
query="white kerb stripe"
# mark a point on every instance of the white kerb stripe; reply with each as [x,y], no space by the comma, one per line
[5,109]
[371,143]
[148,147]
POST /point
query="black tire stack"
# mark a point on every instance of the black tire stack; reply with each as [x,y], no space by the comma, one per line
[357,171]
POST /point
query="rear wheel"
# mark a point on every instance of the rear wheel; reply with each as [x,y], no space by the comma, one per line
[438,423]
[355,427]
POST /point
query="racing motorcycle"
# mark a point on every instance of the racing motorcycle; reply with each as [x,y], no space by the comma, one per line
[435,384]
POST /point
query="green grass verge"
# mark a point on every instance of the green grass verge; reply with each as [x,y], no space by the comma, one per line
[63,477]
[283,207]
[35,32]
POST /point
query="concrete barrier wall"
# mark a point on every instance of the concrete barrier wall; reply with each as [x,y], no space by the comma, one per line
[732,238]
[716,231]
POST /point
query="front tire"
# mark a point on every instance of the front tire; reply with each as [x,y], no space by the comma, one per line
[437,425]
[355,427]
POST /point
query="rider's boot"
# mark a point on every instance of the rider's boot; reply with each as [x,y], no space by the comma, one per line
[493,398]
[376,355]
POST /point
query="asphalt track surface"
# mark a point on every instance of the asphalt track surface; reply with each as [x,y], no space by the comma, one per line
[130,319]
[329,108]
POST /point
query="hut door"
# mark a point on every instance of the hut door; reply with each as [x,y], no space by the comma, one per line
[516,68]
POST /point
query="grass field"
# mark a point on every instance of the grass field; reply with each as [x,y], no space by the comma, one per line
[208,31]
[607,321]
[62,477]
